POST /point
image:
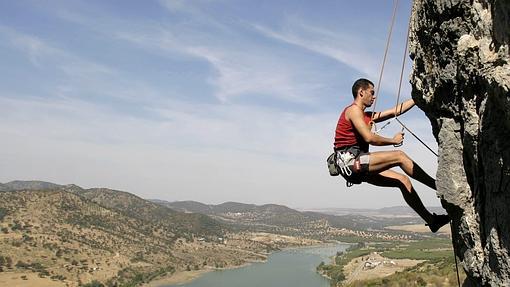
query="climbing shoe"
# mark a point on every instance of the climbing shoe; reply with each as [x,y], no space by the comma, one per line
[438,221]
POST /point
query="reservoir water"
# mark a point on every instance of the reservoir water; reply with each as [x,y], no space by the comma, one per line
[291,267]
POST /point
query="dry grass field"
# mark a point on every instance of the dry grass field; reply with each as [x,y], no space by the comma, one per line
[24,279]
[375,266]
[420,228]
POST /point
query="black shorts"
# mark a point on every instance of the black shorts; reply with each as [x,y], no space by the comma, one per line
[358,164]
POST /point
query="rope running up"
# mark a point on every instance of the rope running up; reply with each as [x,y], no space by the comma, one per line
[395,6]
[455,255]
[400,88]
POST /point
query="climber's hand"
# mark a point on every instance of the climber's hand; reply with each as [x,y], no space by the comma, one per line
[398,139]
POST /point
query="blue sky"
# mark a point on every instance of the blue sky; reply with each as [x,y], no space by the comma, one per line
[211,100]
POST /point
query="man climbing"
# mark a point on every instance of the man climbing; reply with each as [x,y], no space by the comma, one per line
[352,139]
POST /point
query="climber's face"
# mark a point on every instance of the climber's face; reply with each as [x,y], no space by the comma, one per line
[368,96]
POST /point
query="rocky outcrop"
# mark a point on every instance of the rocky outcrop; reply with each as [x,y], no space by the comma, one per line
[461,79]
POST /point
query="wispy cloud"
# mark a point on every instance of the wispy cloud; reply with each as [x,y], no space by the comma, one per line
[172,123]
[32,46]
[349,49]
[40,51]
[252,71]
[198,11]
[80,77]
[175,5]
[339,46]
[240,69]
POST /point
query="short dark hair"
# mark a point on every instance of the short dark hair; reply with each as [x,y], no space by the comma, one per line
[360,84]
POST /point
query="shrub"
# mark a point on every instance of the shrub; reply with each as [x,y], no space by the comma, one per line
[3,213]
[94,283]
[16,226]
[22,264]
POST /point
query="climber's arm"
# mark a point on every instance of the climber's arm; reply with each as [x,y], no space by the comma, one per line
[356,116]
[390,113]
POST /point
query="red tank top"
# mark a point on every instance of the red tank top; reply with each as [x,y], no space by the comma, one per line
[346,134]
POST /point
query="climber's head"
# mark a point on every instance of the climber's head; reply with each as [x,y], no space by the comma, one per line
[364,89]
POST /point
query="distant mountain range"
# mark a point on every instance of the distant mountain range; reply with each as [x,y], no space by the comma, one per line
[272,215]
[393,211]
[198,207]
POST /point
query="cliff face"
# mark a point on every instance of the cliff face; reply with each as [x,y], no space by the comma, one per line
[461,79]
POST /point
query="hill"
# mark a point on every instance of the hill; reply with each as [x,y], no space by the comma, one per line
[28,185]
[76,235]
[133,206]
[187,206]
[45,229]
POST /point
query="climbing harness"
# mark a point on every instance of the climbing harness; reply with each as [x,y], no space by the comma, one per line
[343,160]
[350,163]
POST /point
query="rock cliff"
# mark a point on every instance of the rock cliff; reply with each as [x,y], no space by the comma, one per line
[461,79]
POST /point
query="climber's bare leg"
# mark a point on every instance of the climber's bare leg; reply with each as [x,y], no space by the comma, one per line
[384,160]
[390,178]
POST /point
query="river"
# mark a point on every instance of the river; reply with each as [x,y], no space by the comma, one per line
[292,267]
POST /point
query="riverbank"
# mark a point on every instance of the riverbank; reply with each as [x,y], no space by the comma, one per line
[289,267]
[184,277]
[375,260]
[179,277]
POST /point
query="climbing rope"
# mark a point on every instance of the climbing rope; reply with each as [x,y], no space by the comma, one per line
[400,85]
[404,58]
[400,80]
[393,17]
[455,255]
[414,135]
